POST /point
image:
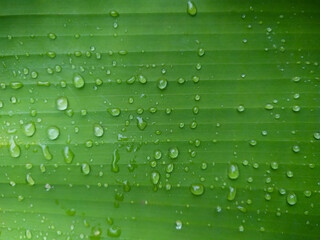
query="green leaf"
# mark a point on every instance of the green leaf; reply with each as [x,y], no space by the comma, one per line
[159,119]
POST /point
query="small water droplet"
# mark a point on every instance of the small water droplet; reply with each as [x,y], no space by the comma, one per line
[53,132]
[30,180]
[162,83]
[155,177]
[232,193]
[191,8]
[233,171]
[197,189]
[114,111]
[291,198]
[62,103]
[85,168]
[14,148]
[98,130]
[29,129]
[78,81]
[115,159]
[68,155]
[173,152]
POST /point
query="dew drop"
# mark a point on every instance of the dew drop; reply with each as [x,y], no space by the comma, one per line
[197,189]
[85,168]
[162,83]
[114,111]
[14,149]
[191,8]
[53,132]
[155,177]
[98,130]
[62,103]
[30,180]
[233,171]
[291,198]
[232,193]
[173,152]
[78,81]
[68,155]
[29,129]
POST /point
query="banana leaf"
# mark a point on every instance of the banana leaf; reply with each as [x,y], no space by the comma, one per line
[162,119]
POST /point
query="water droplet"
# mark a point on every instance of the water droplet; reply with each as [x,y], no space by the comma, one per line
[316,135]
[201,52]
[291,198]
[52,36]
[155,177]
[114,13]
[98,130]
[268,106]
[162,83]
[157,154]
[114,231]
[14,149]
[296,79]
[16,85]
[85,168]
[68,155]
[232,193]
[191,8]
[45,150]
[240,108]
[142,79]
[141,123]
[114,111]
[289,174]
[274,165]
[197,189]
[296,108]
[178,225]
[53,132]
[173,152]
[28,234]
[29,129]
[30,180]
[115,159]
[62,103]
[233,171]
[296,148]
[78,81]
[131,80]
